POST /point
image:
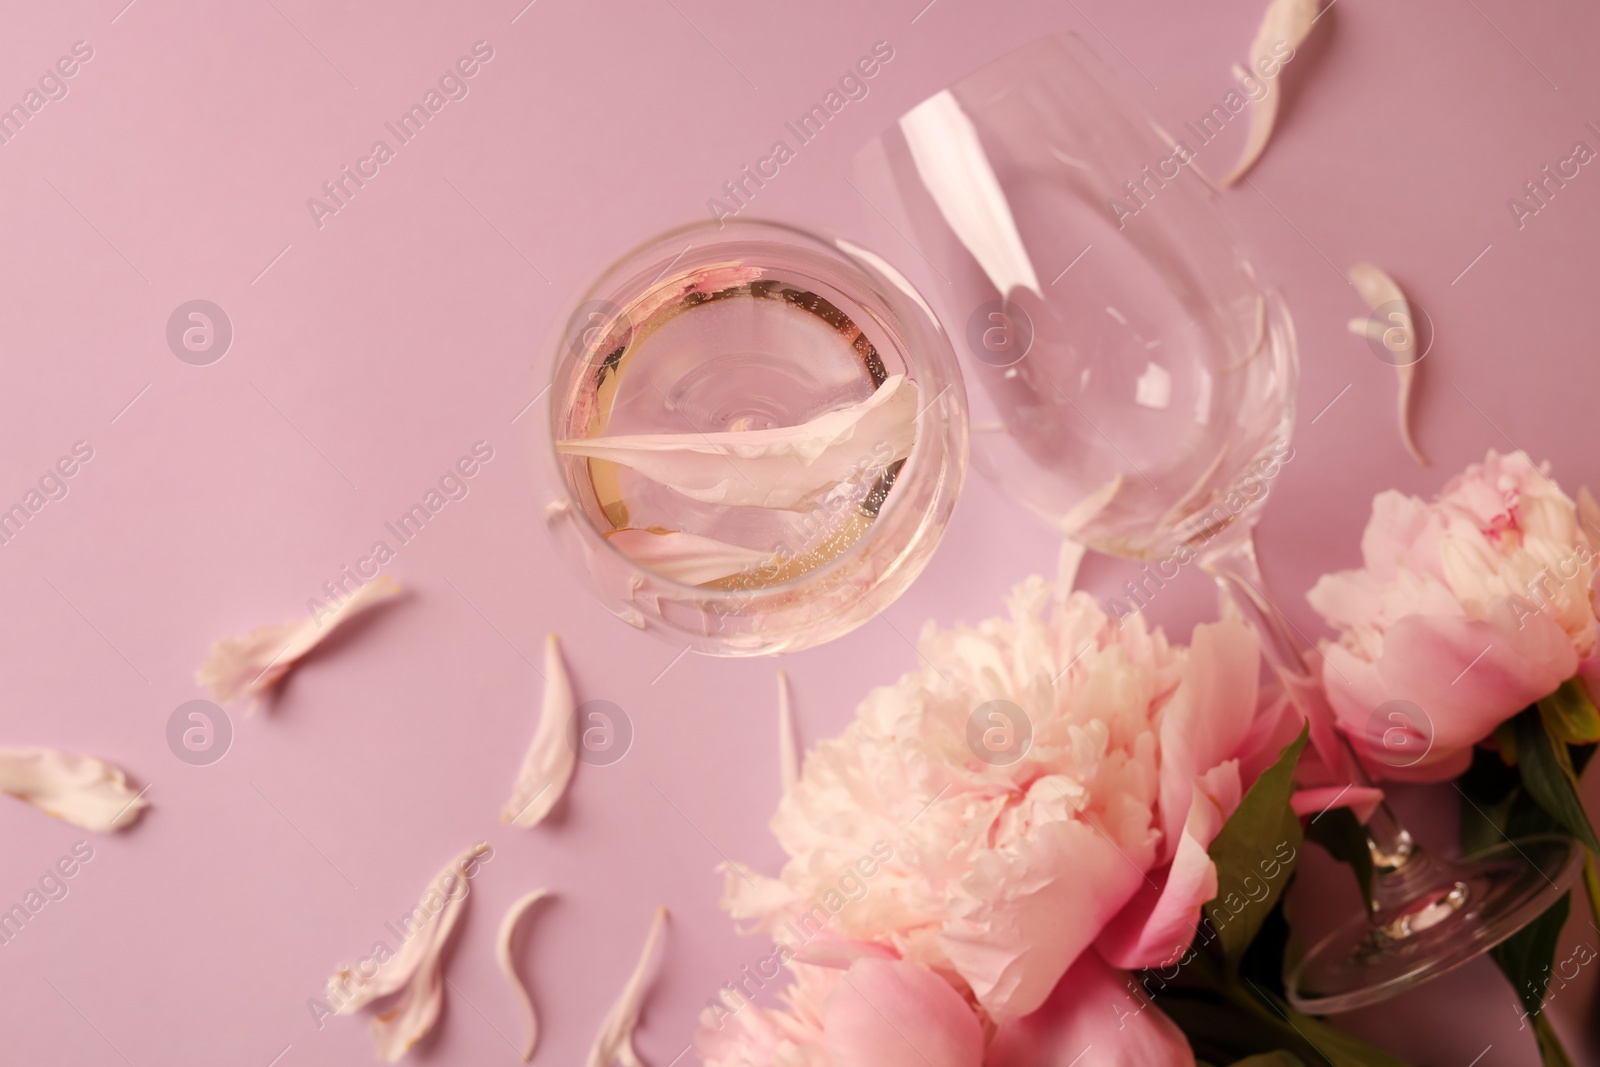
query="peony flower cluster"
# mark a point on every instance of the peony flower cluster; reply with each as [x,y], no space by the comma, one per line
[1469,608]
[1016,891]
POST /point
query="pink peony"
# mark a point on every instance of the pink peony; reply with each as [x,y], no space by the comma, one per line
[912,846]
[1469,608]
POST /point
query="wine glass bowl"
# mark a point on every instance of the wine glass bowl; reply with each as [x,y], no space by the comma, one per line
[710,332]
[1131,376]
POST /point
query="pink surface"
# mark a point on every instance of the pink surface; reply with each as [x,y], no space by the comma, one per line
[372,351]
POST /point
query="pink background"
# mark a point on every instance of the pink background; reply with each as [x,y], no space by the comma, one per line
[415,322]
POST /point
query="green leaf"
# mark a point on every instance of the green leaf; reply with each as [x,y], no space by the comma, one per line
[1570,715]
[1341,833]
[1224,1024]
[1591,886]
[1525,959]
[1250,859]
[1274,952]
[1547,776]
[1551,1052]
[1279,1058]
[1526,955]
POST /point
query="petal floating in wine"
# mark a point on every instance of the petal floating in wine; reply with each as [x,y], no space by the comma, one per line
[551,756]
[786,467]
[502,952]
[685,557]
[614,1043]
[81,790]
[1398,335]
[252,664]
[414,971]
[953,165]
[1285,25]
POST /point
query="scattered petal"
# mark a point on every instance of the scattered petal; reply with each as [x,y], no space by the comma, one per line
[630,615]
[786,467]
[954,166]
[502,952]
[788,757]
[81,790]
[1089,508]
[252,664]
[414,971]
[1287,22]
[686,557]
[547,766]
[1068,560]
[1378,289]
[615,1041]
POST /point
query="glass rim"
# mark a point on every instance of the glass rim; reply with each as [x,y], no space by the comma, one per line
[893,503]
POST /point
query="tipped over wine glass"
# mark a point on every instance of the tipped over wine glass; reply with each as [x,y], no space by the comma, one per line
[1131,380]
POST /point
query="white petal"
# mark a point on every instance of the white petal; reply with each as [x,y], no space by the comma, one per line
[615,1040]
[252,664]
[951,161]
[502,952]
[81,790]
[1287,22]
[1068,560]
[547,766]
[413,972]
[1378,289]
[1089,508]
[686,557]
[788,757]
[784,467]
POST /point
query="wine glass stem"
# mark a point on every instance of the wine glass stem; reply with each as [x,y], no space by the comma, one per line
[1238,576]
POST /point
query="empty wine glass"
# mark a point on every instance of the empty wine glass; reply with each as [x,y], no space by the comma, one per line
[1132,380]
[759,435]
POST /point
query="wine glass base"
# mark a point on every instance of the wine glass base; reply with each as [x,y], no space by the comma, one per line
[1464,909]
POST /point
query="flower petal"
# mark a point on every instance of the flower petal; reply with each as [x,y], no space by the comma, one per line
[953,165]
[615,1040]
[1378,289]
[788,757]
[252,664]
[686,557]
[1363,800]
[1469,676]
[414,971]
[1092,1008]
[81,790]
[891,1013]
[1028,914]
[502,952]
[786,467]
[551,756]
[1287,22]
[1209,717]
[1158,924]
[828,949]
